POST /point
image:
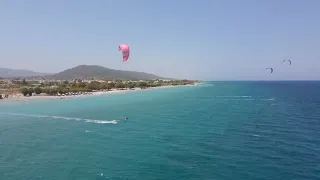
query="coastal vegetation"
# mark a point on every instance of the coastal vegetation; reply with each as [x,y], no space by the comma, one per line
[79,86]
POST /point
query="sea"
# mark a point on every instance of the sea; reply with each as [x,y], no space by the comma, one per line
[214,131]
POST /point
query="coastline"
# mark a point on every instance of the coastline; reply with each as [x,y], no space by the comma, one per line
[21,98]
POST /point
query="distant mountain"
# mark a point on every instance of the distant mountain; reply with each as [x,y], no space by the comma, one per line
[99,72]
[12,73]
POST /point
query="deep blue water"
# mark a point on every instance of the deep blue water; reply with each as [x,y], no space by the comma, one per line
[219,130]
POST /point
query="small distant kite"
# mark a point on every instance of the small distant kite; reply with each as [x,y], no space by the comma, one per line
[271,70]
[125,51]
[287,60]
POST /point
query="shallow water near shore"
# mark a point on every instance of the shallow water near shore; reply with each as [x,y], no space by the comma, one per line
[219,130]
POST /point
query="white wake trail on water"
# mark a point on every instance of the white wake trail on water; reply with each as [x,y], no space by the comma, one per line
[63,117]
[234,96]
[243,98]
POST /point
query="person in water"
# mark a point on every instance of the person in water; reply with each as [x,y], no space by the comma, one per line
[126,119]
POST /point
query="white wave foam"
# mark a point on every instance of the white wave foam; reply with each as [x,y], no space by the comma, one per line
[243,98]
[226,99]
[63,117]
[271,99]
[101,122]
[237,99]
[234,96]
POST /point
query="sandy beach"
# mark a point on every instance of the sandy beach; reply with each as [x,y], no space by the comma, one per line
[20,97]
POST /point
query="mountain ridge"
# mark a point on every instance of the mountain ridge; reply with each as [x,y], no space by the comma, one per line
[12,73]
[91,72]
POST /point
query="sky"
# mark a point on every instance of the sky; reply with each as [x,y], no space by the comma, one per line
[203,39]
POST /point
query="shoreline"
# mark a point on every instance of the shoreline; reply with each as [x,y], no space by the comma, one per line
[21,98]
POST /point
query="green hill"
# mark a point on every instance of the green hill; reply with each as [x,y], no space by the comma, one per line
[99,72]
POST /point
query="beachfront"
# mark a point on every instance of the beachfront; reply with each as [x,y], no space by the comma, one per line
[20,97]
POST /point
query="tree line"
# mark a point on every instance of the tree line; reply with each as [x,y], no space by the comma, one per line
[77,87]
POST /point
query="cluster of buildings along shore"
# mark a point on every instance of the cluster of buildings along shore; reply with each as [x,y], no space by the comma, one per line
[8,87]
[48,81]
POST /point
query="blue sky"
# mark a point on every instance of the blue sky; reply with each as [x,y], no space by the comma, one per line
[203,39]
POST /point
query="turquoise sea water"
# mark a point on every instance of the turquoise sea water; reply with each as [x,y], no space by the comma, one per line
[219,130]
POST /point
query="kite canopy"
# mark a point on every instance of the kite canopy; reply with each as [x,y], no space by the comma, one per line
[287,60]
[271,70]
[125,51]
